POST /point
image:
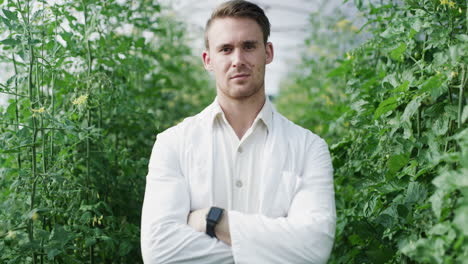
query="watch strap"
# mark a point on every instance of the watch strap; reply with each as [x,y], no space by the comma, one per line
[212,219]
[210,228]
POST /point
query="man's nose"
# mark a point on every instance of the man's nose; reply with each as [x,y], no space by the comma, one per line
[238,58]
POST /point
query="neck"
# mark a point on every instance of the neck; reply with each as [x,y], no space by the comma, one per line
[240,113]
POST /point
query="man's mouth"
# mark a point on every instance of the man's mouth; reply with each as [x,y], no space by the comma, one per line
[240,76]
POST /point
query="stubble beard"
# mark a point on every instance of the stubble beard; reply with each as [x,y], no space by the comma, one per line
[250,93]
[233,94]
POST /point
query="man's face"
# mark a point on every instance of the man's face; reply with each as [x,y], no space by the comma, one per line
[237,55]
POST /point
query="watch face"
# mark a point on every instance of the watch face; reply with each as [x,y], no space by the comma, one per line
[215,214]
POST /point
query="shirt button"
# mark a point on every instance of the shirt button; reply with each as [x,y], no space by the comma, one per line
[239,149]
[238,183]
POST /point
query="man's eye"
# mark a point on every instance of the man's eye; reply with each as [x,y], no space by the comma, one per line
[249,47]
[226,49]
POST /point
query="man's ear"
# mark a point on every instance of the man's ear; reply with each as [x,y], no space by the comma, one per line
[207,60]
[269,52]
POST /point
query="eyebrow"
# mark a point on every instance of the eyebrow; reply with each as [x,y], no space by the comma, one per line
[246,42]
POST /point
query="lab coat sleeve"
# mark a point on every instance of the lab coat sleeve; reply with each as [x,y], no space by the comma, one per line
[165,235]
[306,235]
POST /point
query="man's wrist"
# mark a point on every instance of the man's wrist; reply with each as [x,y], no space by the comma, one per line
[213,218]
[222,229]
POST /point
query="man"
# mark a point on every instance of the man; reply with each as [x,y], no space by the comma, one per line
[238,182]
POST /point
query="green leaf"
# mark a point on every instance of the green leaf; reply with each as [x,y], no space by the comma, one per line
[397,53]
[11,110]
[439,229]
[386,106]
[51,253]
[37,14]
[379,254]
[385,220]
[60,235]
[124,248]
[341,70]
[416,192]
[455,53]
[461,219]
[140,43]
[410,169]
[10,15]
[432,83]
[462,37]
[10,42]
[465,114]
[402,210]
[450,180]
[440,126]
[396,162]
[411,108]
[6,21]
[440,58]
[402,87]
[90,241]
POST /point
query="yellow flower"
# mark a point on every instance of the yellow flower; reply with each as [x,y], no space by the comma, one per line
[171,104]
[35,216]
[39,111]
[348,56]
[80,100]
[453,74]
[444,2]
[11,234]
[328,101]
[318,128]
[451,4]
[343,23]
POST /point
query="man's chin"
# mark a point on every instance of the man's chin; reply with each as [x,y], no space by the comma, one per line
[242,94]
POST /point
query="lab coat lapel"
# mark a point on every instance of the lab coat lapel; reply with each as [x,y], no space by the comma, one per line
[207,149]
[202,153]
[275,157]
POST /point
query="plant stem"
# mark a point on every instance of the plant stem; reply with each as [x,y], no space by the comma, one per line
[33,147]
[89,60]
[18,157]
[418,122]
[52,93]
[461,97]
[15,94]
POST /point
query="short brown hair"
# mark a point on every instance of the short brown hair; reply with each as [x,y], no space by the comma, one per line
[240,9]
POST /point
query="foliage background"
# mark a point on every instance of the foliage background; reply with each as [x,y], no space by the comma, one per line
[393,110]
[87,99]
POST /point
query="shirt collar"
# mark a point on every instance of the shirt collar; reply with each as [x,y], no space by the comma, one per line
[265,114]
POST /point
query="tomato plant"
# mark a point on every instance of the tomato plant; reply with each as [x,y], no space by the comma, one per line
[394,112]
[93,83]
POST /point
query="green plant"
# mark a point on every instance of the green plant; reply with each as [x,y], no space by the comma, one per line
[93,83]
[396,123]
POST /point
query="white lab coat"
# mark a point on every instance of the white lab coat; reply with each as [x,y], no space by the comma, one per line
[296,222]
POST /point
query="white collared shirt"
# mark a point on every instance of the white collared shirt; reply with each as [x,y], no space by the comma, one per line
[238,161]
[283,213]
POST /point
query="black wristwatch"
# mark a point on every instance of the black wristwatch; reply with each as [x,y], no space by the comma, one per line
[212,219]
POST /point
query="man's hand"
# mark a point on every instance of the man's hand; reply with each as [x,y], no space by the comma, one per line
[197,220]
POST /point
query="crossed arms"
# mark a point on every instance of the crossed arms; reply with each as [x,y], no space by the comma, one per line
[304,236]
